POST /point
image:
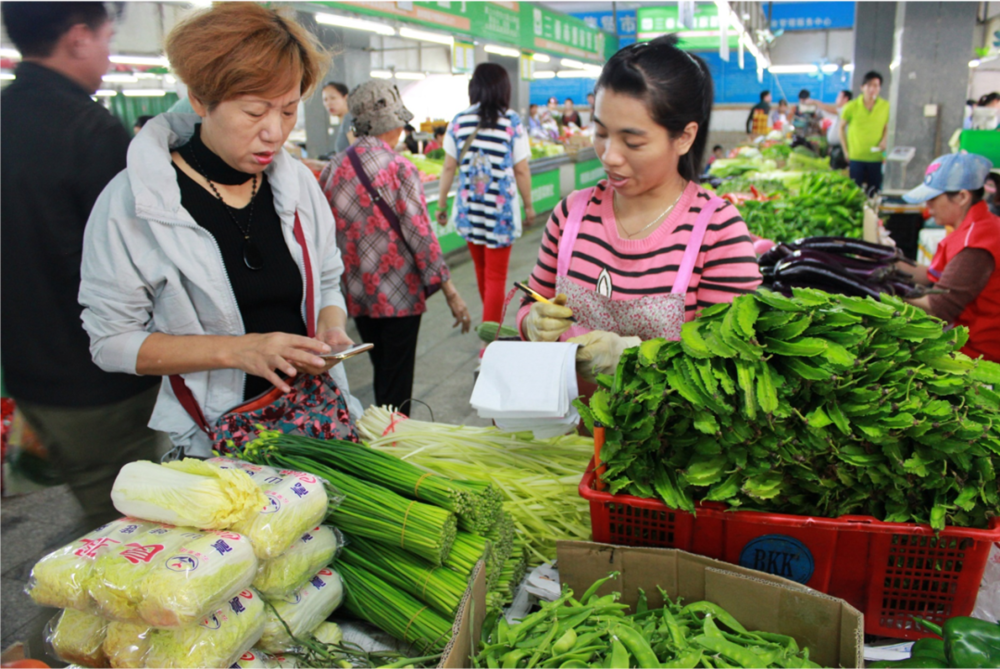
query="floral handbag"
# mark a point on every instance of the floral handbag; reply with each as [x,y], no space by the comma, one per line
[314,407]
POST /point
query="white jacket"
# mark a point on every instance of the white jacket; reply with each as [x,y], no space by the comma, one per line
[149,267]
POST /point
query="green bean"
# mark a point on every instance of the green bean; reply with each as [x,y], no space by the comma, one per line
[544,646]
[565,642]
[720,614]
[592,590]
[689,659]
[619,655]
[639,647]
[743,656]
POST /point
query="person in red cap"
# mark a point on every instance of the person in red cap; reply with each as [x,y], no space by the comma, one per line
[966,261]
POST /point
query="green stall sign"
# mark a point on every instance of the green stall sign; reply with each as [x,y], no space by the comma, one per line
[589,173]
[519,24]
[704,35]
[545,193]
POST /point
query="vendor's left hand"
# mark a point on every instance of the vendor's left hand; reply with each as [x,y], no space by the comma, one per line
[336,337]
[600,352]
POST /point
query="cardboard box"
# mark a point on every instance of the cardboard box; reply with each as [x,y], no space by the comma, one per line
[831,628]
[468,623]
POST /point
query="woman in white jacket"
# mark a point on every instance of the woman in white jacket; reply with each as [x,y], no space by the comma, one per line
[212,258]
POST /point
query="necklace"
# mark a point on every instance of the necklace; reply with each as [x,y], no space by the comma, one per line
[252,257]
[630,235]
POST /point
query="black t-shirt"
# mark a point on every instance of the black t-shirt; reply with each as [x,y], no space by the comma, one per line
[270,298]
[58,150]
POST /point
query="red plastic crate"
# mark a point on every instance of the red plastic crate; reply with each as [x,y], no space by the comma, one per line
[889,571]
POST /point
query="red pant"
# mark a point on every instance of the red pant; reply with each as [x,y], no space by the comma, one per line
[491,277]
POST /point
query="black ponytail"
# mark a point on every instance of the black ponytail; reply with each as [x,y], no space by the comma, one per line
[675,85]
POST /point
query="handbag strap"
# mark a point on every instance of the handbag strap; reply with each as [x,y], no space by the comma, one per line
[386,210]
[180,388]
[468,143]
[693,249]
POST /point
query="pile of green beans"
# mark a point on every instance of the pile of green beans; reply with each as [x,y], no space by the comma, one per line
[597,632]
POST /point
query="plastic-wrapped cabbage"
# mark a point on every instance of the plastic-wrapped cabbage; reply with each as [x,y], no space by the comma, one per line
[126,645]
[217,641]
[77,637]
[257,472]
[186,493]
[284,575]
[198,577]
[251,659]
[296,501]
[303,612]
[60,578]
[328,633]
[115,583]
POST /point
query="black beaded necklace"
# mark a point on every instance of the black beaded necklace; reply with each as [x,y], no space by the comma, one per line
[252,256]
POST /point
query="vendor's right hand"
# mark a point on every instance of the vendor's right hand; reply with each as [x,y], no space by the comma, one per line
[547,322]
[442,216]
[274,353]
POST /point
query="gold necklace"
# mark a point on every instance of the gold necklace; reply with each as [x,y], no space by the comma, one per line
[630,235]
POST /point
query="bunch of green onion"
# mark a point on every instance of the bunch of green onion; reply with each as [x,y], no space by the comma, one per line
[367,510]
[442,588]
[537,478]
[392,610]
[476,503]
[467,551]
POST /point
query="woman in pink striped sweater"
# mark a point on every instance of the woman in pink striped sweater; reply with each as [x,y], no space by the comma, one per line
[647,248]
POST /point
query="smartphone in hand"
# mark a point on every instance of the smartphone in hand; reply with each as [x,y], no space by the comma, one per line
[345,352]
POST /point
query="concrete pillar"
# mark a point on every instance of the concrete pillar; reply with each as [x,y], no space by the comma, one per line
[931,52]
[874,24]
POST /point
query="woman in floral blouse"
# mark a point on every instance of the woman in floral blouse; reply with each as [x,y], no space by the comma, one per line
[392,259]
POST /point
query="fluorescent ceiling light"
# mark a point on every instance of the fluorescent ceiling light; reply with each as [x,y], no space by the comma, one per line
[10,53]
[577,74]
[426,37]
[793,69]
[848,67]
[544,74]
[152,61]
[829,68]
[569,62]
[105,93]
[144,93]
[123,78]
[416,76]
[540,57]
[6,76]
[975,63]
[355,24]
[502,51]
[380,74]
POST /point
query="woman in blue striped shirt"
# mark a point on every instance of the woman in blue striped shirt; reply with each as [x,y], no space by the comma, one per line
[488,146]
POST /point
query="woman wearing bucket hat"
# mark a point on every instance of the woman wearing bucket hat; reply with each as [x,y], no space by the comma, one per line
[966,261]
[392,259]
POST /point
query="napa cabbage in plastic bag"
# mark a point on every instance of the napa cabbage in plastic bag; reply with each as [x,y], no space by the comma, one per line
[295,502]
[219,640]
[252,659]
[257,472]
[60,578]
[284,575]
[198,577]
[76,637]
[329,633]
[115,583]
[303,612]
[186,493]
[126,645]
[172,577]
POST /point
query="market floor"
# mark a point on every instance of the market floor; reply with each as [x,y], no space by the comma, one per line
[38,522]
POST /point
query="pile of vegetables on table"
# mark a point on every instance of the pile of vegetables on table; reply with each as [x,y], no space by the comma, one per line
[837,265]
[597,631]
[814,404]
[818,205]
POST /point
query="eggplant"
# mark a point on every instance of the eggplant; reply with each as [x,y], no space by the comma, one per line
[831,280]
[857,247]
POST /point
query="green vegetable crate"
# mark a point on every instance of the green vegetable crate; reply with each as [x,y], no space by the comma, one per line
[889,571]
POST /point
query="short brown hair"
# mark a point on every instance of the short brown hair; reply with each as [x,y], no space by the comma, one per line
[243,48]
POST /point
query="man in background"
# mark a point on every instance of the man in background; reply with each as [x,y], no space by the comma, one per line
[757,123]
[58,150]
[864,128]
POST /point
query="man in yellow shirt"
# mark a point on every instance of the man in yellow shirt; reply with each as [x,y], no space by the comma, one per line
[864,126]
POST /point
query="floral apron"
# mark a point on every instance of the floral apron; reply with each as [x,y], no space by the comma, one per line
[646,317]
